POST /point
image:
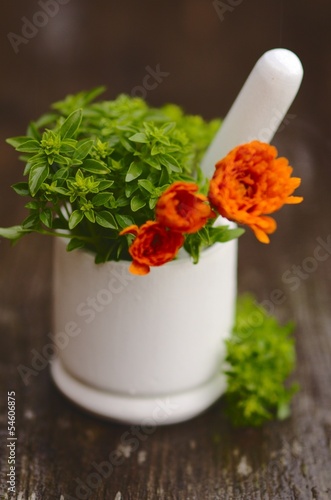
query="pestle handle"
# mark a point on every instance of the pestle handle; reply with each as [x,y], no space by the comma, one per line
[260,106]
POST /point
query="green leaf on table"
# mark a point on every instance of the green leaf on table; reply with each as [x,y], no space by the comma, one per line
[260,357]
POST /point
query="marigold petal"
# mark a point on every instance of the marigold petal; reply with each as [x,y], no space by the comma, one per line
[139,269]
[296,181]
[133,229]
[294,200]
[260,235]
[262,227]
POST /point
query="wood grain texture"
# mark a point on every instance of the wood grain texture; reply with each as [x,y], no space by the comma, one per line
[58,446]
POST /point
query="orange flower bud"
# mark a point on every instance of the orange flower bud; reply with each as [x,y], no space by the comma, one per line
[182,209]
[154,245]
[251,182]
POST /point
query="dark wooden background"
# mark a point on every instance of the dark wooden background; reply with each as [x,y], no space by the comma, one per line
[207,58]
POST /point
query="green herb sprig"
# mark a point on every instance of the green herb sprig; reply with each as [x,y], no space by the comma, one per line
[95,168]
[261,356]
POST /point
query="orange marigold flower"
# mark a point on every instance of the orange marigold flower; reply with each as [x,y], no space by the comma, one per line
[251,182]
[182,209]
[154,245]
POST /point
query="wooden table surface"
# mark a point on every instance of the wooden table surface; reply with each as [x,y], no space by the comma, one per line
[208,56]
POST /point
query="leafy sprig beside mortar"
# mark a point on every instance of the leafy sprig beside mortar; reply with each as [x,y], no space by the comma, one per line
[260,359]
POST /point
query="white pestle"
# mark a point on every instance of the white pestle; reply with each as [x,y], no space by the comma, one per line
[260,106]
